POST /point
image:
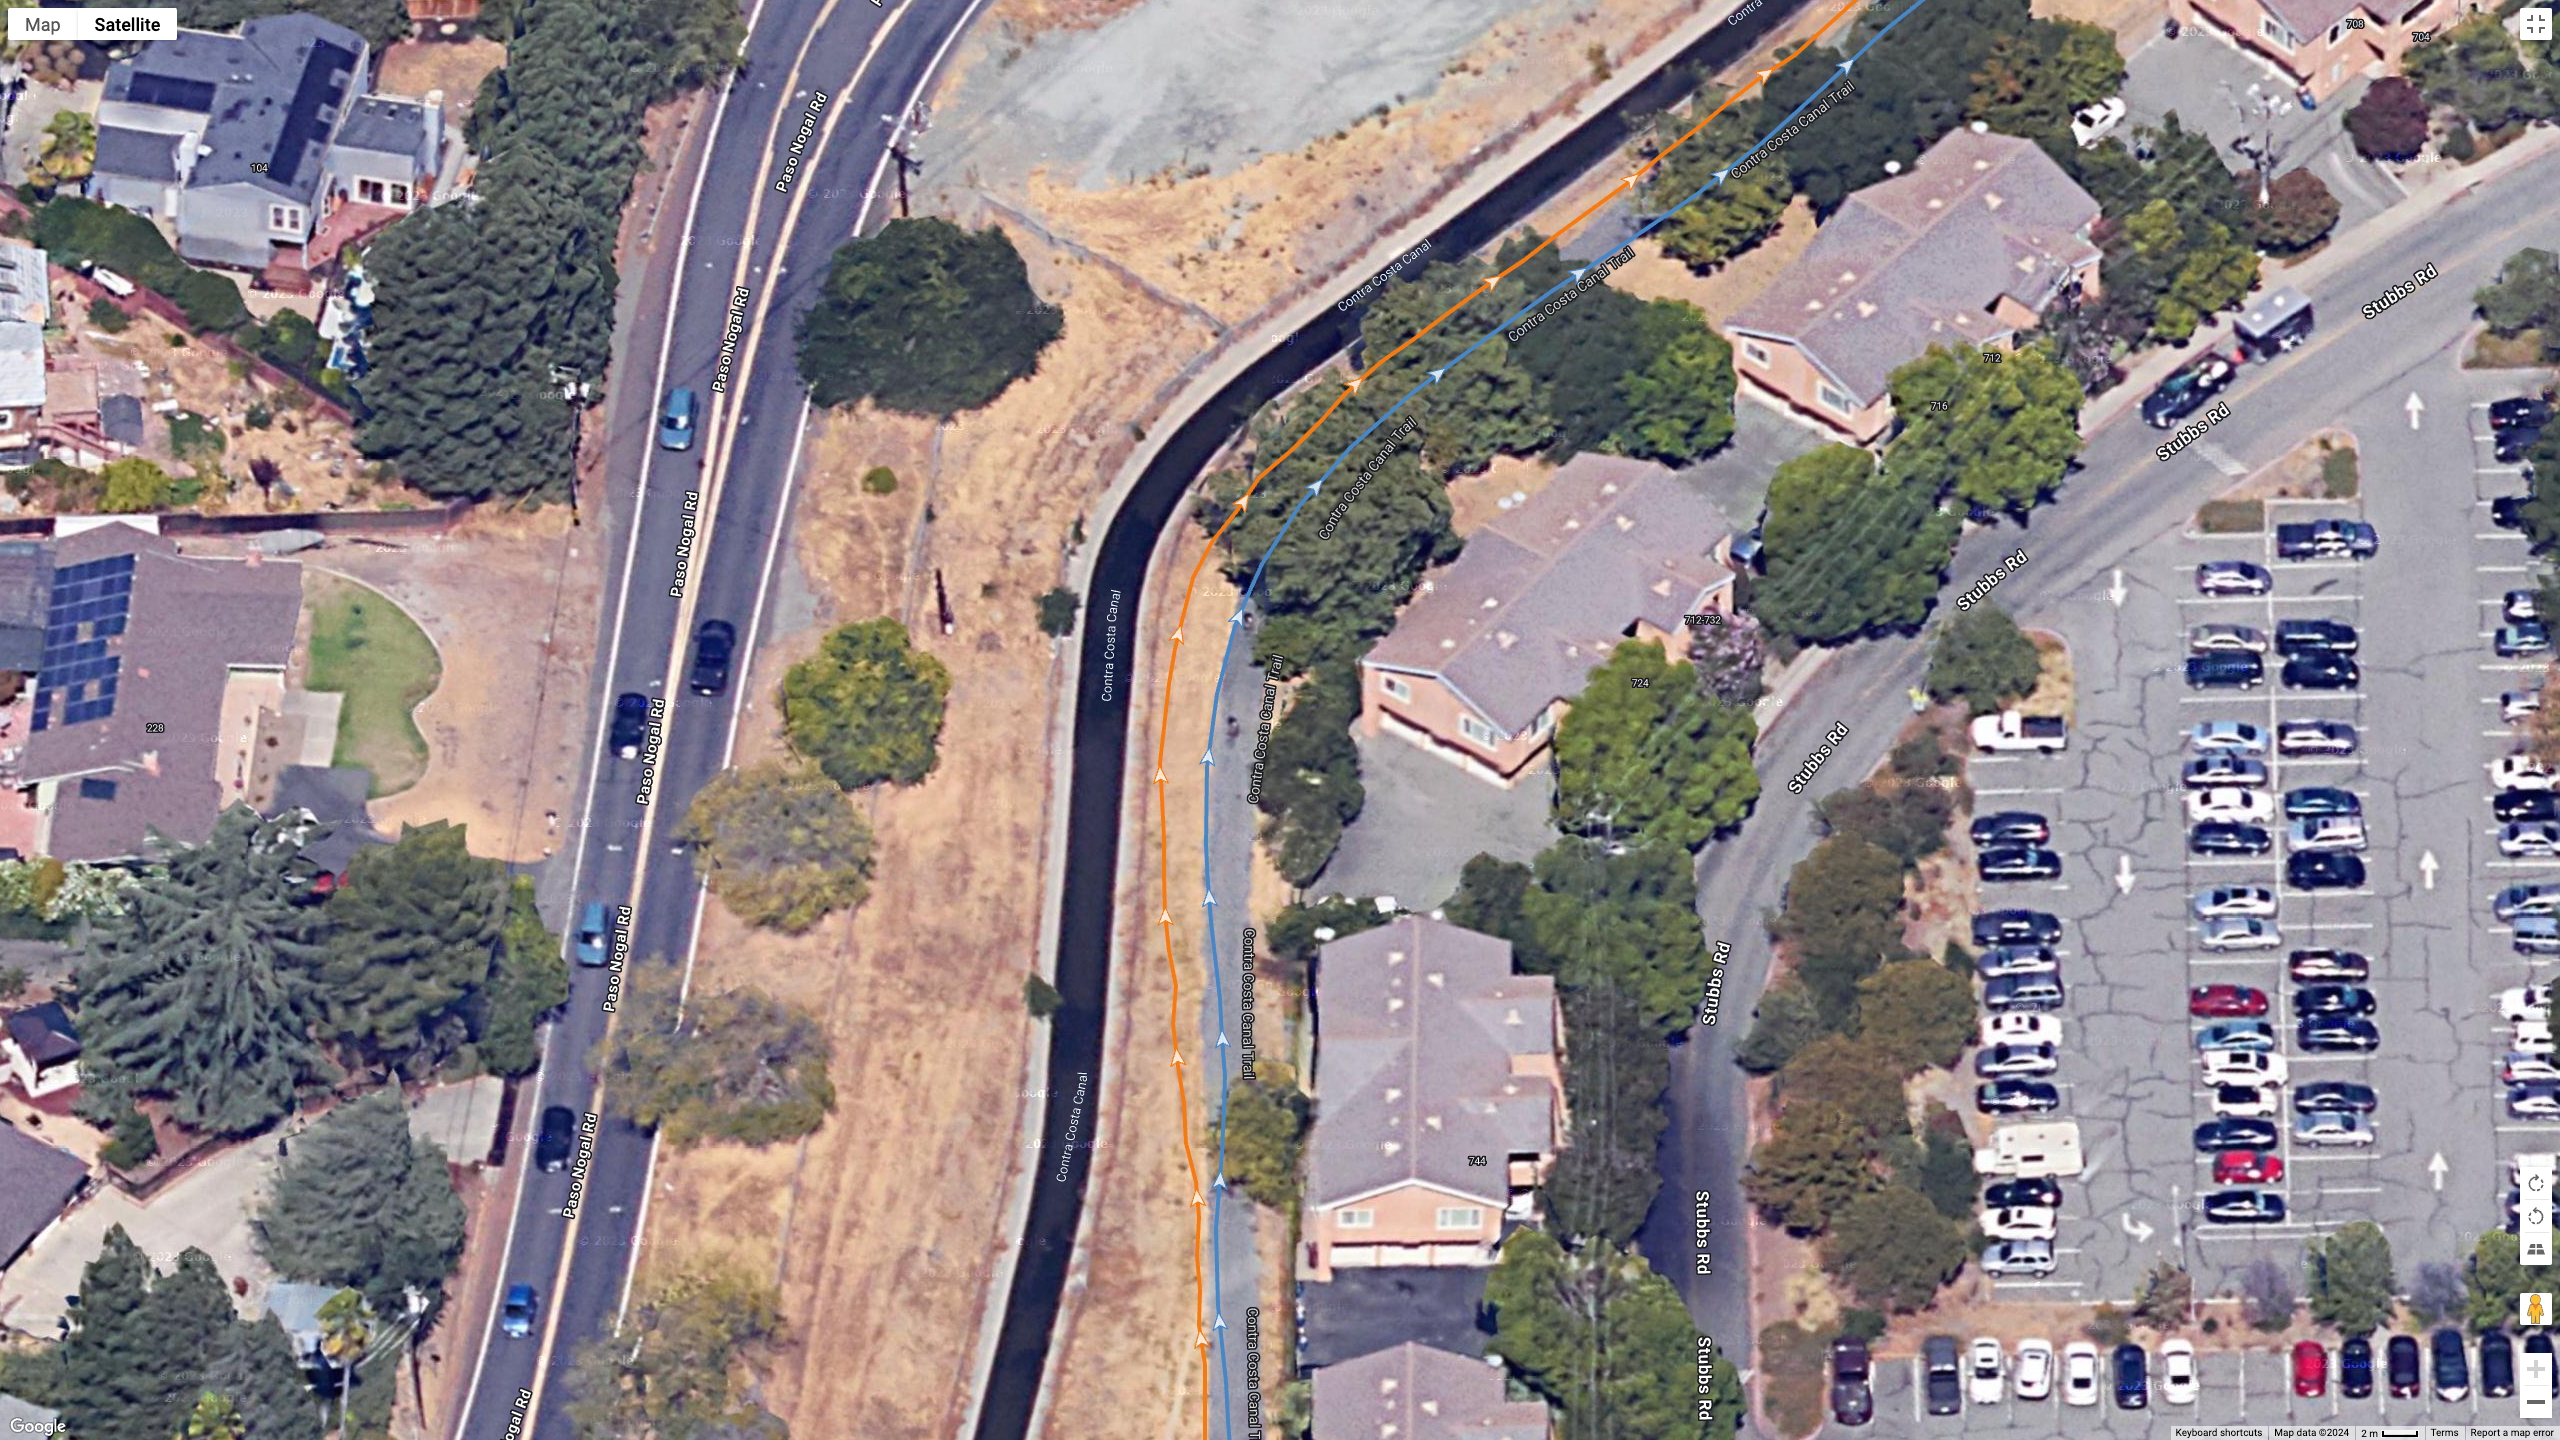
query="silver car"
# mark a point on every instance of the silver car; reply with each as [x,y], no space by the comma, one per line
[2237,736]
[2204,639]
[2018,1257]
[2233,900]
[2223,767]
[2239,932]
[2333,1128]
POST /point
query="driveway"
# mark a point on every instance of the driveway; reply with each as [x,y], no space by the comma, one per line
[2233,97]
[1425,819]
[207,1209]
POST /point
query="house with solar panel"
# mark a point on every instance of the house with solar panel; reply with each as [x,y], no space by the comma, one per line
[158,678]
[261,150]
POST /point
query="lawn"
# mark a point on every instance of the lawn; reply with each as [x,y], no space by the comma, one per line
[366,648]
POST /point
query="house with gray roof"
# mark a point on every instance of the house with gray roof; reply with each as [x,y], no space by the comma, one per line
[1964,251]
[1414,1392]
[37,1183]
[240,143]
[26,1417]
[40,1049]
[1495,644]
[160,672]
[1439,1099]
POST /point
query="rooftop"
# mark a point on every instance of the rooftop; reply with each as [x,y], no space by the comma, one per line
[1920,259]
[37,1183]
[1418,1025]
[1544,592]
[44,1033]
[1413,1392]
[385,125]
[270,96]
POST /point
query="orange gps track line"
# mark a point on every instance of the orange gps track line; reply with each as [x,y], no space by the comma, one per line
[1182,616]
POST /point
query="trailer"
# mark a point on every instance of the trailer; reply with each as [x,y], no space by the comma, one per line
[2281,320]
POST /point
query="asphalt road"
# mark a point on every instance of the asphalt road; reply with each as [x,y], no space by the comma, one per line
[2353,370]
[692,536]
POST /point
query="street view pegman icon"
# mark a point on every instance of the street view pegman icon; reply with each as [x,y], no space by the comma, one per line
[2533,1308]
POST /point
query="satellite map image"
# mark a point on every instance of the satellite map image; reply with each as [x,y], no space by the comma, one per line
[1146,719]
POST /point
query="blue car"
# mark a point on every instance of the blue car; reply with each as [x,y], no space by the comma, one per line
[675,420]
[515,1317]
[591,934]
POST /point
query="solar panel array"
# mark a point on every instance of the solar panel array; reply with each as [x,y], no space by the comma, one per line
[76,678]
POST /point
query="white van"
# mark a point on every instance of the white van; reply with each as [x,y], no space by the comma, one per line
[2031,1152]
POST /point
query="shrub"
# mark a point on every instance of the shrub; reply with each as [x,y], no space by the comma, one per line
[2338,476]
[1041,998]
[880,480]
[107,315]
[740,1065]
[2458,145]
[1058,612]
[868,706]
[2232,517]
[2390,122]
[133,1143]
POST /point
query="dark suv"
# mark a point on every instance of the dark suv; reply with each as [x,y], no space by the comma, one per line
[2016,927]
[2298,636]
[557,1138]
[630,723]
[1945,1376]
[1853,1396]
[2226,670]
[2497,1366]
[2400,1362]
[714,641]
[2452,1366]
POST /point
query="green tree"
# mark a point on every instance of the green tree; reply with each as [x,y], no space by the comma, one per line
[1996,435]
[2266,1296]
[1916,1013]
[868,706]
[1625,920]
[1487,404]
[1725,1402]
[380,22]
[215,1418]
[1601,1337]
[1894,1249]
[736,1065]
[1814,1163]
[687,1366]
[780,845]
[67,151]
[362,1203]
[1730,217]
[1058,612]
[253,1364]
[201,991]
[2207,265]
[1643,753]
[1041,998]
[1908,820]
[1680,405]
[925,318]
[1838,1073]
[1843,918]
[2352,1283]
[1983,659]
[2496,1278]
[2031,80]
[346,1328]
[135,486]
[117,1379]
[1605,1180]
[1788,1020]
[2524,297]
[1311,790]
[1581,363]
[1258,1145]
[414,934]
[1943,1170]
[531,980]
[1848,550]
[2475,69]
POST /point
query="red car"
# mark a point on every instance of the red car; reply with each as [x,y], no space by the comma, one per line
[2247,1167]
[2226,1002]
[2310,1368]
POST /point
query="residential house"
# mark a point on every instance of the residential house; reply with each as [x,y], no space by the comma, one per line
[1439,1099]
[160,673]
[37,1183]
[245,144]
[26,304]
[2321,45]
[40,1050]
[1413,1392]
[296,1306]
[1485,659]
[1965,251]
[327,802]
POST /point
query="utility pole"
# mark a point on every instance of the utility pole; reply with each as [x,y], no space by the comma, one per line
[907,164]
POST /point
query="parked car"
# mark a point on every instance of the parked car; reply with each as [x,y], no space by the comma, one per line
[2229,837]
[2233,900]
[2237,1035]
[2327,540]
[2023,993]
[2226,670]
[2336,1034]
[2520,605]
[2019,862]
[2535,934]
[2517,900]
[2520,1066]
[2245,1102]
[593,934]
[2400,1366]
[515,1314]
[630,723]
[2021,1223]
[2328,964]
[2315,636]
[2232,803]
[2186,392]
[2320,800]
[2235,736]
[2529,839]
[2034,1190]
[2014,1029]
[2525,805]
[2096,120]
[2239,932]
[2507,512]
[2524,412]
[714,641]
[2497,1365]
[2033,1378]
[2452,1366]
[2326,832]
[2133,1379]
[2321,670]
[2315,738]
[2323,870]
[2002,960]
[2226,1002]
[2001,927]
[2018,1258]
[2214,1136]
[2346,1096]
[2011,827]
[2310,1368]
[2017,1097]
[1944,1376]
[2355,1368]
[2222,767]
[2525,637]
[2521,772]
[2247,1167]
[1853,1396]
[556,1139]
[2233,577]
[2178,1378]
[2534,1100]
[2203,639]
[2242,1067]
[2080,1373]
[2333,1129]
[2008,1060]
[2244,1207]
[2515,705]
[2524,1002]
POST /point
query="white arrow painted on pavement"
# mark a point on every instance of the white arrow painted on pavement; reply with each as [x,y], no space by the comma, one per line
[2124,874]
[2427,870]
[2416,407]
[2436,1167]
[2140,1232]
[2116,591]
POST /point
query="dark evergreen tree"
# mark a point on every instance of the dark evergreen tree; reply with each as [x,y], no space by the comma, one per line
[413,937]
[118,1382]
[254,1365]
[201,991]
[925,318]
[531,979]
[362,1203]
[1614,1080]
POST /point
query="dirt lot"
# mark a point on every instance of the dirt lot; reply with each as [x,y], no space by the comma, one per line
[506,728]
[456,67]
